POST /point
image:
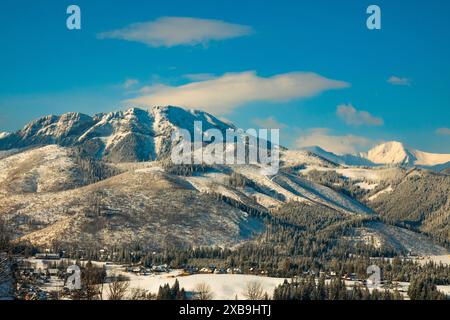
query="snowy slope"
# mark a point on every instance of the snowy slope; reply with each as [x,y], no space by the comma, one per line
[152,208]
[379,234]
[294,158]
[346,159]
[430,159]
[295,188]
[45,169]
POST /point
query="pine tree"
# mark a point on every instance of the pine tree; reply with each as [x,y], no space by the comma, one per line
[175,290]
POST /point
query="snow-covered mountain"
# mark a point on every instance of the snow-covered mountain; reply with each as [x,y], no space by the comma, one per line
[140,135]
[131,135]
[346,159]
[146,202]
[389,153]
[397,153]
[47,180]
[4,134]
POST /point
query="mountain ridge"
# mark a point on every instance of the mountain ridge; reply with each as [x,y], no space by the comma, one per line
[131,135]
[388,153]
[142,135]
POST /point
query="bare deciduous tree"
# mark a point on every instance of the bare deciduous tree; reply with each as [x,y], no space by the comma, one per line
[254,291]
[141,294]
[203,292]
[117,289]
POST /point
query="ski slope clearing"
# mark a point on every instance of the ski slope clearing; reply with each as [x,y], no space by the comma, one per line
[379,234]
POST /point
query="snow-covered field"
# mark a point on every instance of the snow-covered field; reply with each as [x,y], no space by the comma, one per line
[229,286]
[223,286]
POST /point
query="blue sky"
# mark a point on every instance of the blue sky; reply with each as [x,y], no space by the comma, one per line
[311,68]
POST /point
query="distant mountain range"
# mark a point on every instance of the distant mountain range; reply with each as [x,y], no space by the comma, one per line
[389,153]
[139,135]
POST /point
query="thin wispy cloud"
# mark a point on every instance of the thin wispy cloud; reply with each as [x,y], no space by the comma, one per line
[353,117]
[129,83]
[269,123]
[338,144]
[443,131]
[175,31]
[398,81]
[223,94]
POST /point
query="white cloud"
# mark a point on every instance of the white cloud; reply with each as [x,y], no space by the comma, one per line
[269,123]
[174,31]
[398,81]
[351,116]
[199,76]
[130,83]
[443,131]
[323,138]
[223,94]
[153,89]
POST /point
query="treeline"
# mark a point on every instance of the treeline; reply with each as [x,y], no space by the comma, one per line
[5,236]
[183,169]
[281,255]
[423,287]
[336,289]
[91,169]
[337,182]
[297,239]
[418,202]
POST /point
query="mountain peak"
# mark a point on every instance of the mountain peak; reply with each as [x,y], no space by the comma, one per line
[4,134]
[392,152]
[391,144]
[132,134]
